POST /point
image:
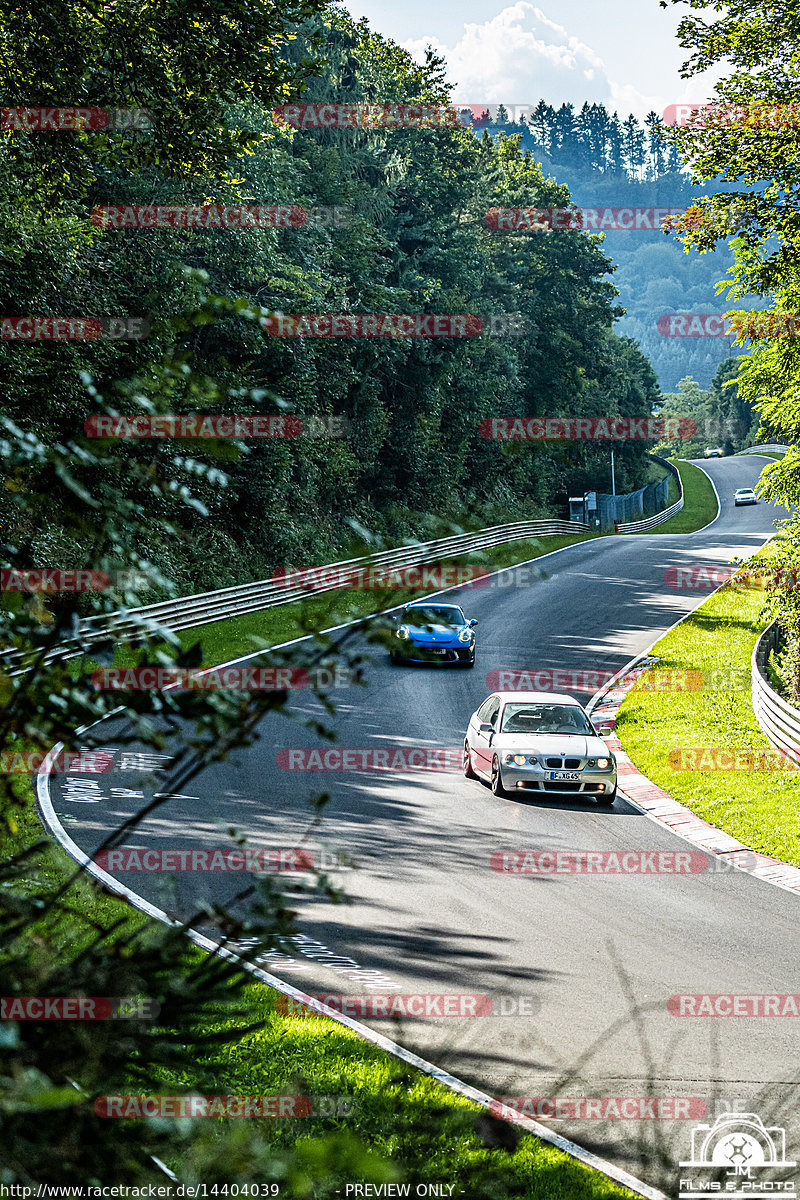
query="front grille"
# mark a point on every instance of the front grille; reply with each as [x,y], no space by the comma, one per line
[572,764]
[552,762]
[563,787]
[563,764]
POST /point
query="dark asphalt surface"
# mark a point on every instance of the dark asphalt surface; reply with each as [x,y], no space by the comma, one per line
[571,959]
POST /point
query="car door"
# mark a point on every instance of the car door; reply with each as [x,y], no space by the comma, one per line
[482,747]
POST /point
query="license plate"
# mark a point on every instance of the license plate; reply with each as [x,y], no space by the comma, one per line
[565,774]
[436,650]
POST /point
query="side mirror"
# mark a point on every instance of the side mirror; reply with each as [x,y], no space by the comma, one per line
[472,623]
[606,732]
[484,727]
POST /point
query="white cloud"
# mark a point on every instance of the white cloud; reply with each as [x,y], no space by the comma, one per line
[521,56]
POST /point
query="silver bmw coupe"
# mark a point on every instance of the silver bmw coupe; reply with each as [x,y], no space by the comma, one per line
[539,742]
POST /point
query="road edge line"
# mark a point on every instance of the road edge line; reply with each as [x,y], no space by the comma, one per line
[51,821]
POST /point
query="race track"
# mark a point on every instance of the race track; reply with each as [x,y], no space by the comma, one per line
[567,957]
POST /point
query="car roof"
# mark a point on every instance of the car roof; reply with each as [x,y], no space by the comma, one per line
[742,490]
[539,697]
[432,604]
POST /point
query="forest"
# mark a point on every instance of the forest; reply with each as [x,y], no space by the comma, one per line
[607,162]
[381,221]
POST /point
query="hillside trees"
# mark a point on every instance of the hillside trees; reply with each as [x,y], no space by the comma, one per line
[409,235]
[756,142]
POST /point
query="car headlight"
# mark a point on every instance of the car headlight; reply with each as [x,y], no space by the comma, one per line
[465,635]
[402,633]
[603,763]
[519,760]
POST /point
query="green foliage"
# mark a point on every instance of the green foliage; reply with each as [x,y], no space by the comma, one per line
[413,239]
[606,162]
[758,42]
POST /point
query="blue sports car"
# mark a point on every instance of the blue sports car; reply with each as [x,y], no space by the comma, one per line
[429,632]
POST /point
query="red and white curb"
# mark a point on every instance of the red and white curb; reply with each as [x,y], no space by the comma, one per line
[652,800]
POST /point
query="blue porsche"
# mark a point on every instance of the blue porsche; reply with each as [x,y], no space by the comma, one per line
[429,632]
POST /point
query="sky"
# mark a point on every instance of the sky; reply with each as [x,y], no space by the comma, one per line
[622,53]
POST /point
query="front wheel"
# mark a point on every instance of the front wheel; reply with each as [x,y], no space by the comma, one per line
[466,764]
[468,662]
[607,801]
[394,659]
[497,779]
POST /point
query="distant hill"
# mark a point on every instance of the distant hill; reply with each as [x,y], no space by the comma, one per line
[607,162]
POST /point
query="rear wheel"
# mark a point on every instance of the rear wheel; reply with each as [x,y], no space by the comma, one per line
[497,779]
[466,764]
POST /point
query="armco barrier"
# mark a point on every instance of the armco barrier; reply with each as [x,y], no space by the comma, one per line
[208,607]
[776,447]
[659,518]
[779,720]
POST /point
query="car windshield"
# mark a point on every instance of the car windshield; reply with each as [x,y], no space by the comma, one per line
[545,718]
[429,614]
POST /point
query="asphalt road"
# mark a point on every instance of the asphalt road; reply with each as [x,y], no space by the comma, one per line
[583,966]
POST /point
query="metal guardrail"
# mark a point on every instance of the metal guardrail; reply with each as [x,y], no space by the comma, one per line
[659,518]
[779,720]
[776,446]
[187,612]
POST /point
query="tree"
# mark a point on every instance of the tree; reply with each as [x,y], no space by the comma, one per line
[656,150]
[633,142]
[748,138]
[542,126]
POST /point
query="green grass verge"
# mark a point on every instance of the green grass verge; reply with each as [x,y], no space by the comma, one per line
[760,808]
[424,1132]
[700,503]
